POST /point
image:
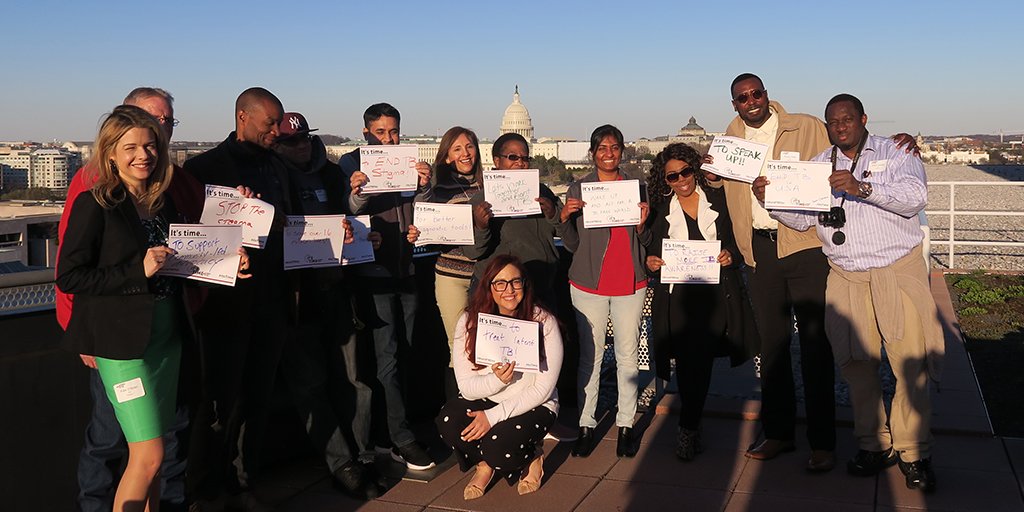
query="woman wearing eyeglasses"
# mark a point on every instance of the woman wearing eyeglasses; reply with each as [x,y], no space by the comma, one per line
[529,238]
[607,277]
[498,421]
[694,323]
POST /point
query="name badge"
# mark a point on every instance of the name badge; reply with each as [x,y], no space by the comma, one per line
[876,166]
[789,156]
[129,390]
[321,195]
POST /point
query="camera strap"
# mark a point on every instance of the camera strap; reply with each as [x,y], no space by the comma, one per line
[853,165]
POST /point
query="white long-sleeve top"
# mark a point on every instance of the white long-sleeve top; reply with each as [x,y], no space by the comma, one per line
[526,390]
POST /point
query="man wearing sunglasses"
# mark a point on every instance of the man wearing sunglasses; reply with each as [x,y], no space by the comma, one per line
[787,272]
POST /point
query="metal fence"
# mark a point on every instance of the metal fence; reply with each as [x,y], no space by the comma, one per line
[951,213]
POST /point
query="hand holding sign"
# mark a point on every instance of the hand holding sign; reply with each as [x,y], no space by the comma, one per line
[503,340]
[797,186]
[512,193]
[389,168]
[736,158]
[204,253]
[226,206]
[611,203]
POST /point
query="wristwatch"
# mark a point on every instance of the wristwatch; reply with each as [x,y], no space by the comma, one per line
[864,191]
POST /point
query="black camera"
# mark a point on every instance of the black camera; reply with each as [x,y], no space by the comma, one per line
[835,217]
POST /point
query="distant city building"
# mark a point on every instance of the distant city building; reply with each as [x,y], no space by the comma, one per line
[28,233]
[517,119]
[52,168]
[954,157]
[692,134]
[83,148]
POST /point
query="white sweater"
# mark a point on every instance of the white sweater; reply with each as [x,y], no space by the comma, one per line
[526,390]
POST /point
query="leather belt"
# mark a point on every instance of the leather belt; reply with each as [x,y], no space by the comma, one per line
[771,234]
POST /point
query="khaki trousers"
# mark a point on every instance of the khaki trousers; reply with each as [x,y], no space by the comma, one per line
[909,424]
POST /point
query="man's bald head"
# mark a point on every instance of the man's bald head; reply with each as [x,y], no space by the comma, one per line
[257,115]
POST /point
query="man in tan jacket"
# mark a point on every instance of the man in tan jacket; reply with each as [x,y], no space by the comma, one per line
[787,274]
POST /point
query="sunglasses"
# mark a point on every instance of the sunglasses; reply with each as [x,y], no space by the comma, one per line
[674,176]
[516,158]
[756,94]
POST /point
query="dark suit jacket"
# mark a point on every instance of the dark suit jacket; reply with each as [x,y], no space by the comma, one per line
[725,321]
[100,261]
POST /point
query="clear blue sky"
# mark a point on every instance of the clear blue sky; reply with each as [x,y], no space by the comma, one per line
[936,67]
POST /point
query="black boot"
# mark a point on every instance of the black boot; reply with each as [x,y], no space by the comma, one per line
[584,443]
[625,446]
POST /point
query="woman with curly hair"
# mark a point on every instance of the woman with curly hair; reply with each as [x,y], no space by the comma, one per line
[498,421]
[694,323]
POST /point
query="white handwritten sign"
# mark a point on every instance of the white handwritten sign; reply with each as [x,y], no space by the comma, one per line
[450,224]
[610,203]
[690,261]
[224,206]
[203,253]
[389,168]
[361,249]
[501,339]
[798,186]
[312,241]
[512,193]
[736,158]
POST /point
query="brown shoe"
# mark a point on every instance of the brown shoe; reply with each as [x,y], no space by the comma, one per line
[821,461]
[769,449]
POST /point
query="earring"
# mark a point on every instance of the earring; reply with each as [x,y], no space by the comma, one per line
[667,193]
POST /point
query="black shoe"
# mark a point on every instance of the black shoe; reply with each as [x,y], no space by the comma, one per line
[919,474]
[689,444]
[354,480]
[625,446]
[413,456]
[868,463]
[584,443]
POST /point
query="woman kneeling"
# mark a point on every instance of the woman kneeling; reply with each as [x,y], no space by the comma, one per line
[499,420]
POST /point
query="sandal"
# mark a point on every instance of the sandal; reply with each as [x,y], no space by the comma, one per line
[472,490]
[527,483]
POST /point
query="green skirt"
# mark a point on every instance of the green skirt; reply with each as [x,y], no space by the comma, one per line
[143,391]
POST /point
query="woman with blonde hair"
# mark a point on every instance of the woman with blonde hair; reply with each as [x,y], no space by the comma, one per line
[126,315]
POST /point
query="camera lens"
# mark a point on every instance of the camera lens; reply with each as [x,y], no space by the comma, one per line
[838,238]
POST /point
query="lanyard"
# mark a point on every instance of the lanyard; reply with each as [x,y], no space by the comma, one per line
[856,158]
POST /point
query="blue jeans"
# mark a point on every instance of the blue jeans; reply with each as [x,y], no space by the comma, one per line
[104,449]
[592,317]
[393,303]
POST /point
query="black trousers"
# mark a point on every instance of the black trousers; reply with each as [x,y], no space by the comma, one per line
[779,287]
[507,447]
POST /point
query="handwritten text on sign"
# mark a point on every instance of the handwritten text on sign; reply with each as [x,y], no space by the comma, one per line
[797,186]
[610,203]
[736,158]
[224,206]
[313,241]
[500,339]
[389,168]
[690,261]
[203,253]
[361,249]
[512,193]
[450,224]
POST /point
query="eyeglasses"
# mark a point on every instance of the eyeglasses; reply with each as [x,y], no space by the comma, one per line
[672,177]
[168,120]
[756,94]
[501,284]
[516,158]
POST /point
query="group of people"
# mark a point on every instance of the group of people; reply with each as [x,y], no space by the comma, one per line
[185,372]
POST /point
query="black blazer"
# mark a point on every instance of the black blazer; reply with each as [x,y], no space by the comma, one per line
[101,264]
[727,320]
